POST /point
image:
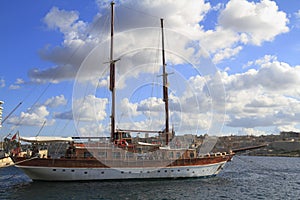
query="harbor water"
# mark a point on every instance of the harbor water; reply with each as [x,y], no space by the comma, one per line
[245,177]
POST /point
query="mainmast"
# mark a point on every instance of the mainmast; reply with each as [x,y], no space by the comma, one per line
[112,74]
[165,84]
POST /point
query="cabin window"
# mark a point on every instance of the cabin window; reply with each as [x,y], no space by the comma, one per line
[87,154]
[116,155]
[171,154]
[129,155]
[125,135]
[178,155]
[102,154]
[192,155]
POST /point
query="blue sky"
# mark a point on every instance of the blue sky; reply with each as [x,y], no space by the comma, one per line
[253,44]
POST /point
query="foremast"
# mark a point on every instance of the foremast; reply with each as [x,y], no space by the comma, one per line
[112,75]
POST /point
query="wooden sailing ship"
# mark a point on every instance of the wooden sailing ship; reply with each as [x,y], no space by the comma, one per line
[120,156]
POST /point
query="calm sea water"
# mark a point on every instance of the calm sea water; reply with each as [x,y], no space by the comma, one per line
[243,178]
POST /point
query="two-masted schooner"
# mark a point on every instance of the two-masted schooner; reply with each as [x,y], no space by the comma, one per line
[121,156]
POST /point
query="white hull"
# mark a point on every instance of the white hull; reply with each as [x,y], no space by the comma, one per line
[85,174]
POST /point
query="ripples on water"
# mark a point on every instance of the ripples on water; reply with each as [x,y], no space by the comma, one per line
[243,178]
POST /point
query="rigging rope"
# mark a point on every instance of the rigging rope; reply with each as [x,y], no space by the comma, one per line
[141,12]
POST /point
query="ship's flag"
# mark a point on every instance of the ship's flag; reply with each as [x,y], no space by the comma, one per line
[14,136]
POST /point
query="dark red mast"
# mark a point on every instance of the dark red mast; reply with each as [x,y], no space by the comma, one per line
[165,84]
[112,74]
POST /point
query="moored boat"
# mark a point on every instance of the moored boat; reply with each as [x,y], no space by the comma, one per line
[119,156]
[5,160]
[114,162]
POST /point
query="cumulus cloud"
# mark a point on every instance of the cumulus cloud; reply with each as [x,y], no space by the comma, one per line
[39,113]
[240,22]
[90,108]
[56,101]
[268,96]
[94,130]
[33,117]
[261,21]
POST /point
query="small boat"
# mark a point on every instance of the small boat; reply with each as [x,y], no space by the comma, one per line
[5,160]
[120,156]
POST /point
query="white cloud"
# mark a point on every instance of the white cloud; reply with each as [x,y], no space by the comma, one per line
[90,108]
[14,87]
[56,101]
[39,113]
[127,108]
[251,131]
[297,14]
[19,81]
[287,128]
[265,97]
[257,97]
[2,83]
[261,21]
[33,117]
[240,22]
[17,84]
[226,53]
[94,130]
[66,21]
